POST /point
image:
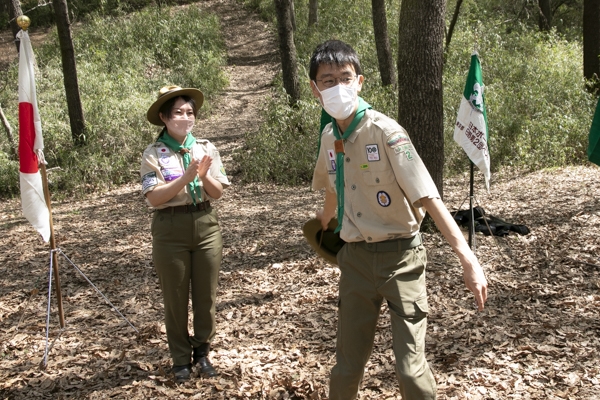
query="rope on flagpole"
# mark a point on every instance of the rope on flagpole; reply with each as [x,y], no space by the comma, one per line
[47,349]
[45,359]
[97,290]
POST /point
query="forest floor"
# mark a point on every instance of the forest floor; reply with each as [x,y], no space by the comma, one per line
[538,337]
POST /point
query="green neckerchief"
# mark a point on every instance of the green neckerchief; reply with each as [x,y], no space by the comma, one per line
[339,158]
[184,150]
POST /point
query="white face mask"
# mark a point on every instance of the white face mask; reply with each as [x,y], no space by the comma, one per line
[339,101]
[180,127]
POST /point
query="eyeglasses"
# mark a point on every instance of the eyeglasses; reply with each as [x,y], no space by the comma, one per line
[331,82]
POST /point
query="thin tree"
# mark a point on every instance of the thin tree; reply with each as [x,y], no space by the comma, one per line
[293,14]
[14,10]
[453,23]
[591,42]
[313,12]
[382,43]
[420,64]
[545,18]
[287,50]
[67,52]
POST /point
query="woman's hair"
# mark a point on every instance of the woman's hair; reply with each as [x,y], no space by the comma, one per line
[333,52]
[167,109]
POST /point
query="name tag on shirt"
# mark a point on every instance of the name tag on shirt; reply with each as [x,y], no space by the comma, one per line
[372,152]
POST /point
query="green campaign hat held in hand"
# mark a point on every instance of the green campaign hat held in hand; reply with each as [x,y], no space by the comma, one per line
[326,244]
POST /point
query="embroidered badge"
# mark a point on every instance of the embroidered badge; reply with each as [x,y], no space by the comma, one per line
[364,166]
[383,199]
[397,140]
[170,174]
[223,170]
[163,150]
[149,180]
[167,161]
[372,152]
[331,155]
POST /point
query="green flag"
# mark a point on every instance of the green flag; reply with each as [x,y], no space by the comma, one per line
[471,131]
[594,146]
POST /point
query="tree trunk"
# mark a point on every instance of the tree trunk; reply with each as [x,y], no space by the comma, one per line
[287,50]
[14,10]
[591,42]
[420,65]
[9,135]
[313,12]
[382,42]
[67,52]
[545,21]
[453,23]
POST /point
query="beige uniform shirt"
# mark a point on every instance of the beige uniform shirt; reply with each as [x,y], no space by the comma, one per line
[384,180]
[161,165]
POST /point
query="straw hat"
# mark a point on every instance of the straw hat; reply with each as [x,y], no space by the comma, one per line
[167,93]
[330,243]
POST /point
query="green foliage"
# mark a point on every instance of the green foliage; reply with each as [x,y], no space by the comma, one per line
[284,149]
[539,113]
[121,65]
[41,13]
[538,110]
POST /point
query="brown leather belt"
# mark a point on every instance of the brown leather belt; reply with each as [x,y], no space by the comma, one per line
[188,208]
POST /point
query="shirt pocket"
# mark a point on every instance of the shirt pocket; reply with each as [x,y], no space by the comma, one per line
[379,178]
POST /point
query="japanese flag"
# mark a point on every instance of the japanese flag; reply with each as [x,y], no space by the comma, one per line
[31,144]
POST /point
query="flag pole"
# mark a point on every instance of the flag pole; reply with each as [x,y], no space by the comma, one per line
[23,21]
[61,314]
[471,202]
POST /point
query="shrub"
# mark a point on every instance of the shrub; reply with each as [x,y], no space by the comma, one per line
[121,65]
[538,110]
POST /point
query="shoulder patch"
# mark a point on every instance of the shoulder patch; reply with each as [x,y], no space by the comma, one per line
[397,139]
[149,180]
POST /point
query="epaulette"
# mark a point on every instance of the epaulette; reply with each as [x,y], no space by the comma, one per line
[198,140]
[387,125]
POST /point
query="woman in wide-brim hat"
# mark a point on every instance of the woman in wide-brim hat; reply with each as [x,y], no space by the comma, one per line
[180,176]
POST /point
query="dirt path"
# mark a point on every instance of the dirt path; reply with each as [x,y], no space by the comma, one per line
[252,65]
[537,339]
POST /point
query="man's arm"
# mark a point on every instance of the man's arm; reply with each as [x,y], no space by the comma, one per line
[328,211]
[472,272]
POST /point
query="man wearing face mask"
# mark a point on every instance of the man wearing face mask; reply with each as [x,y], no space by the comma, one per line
[374,177]
[180,176]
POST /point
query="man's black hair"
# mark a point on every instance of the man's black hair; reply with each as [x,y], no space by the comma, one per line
[333,52]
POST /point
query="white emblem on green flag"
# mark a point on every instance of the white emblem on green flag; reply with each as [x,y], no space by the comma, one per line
[471,131]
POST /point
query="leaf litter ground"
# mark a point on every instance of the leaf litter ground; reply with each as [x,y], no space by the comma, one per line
[538,338]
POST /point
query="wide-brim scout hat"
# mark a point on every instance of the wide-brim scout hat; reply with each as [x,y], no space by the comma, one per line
[325,243]
[168,92]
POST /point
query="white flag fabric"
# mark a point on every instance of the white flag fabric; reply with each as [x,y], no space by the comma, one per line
[471,131]
[31,143]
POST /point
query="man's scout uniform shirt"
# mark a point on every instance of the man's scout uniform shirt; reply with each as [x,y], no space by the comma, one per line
[161,165]
[384,180]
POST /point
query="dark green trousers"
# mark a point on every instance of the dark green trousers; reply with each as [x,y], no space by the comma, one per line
[371,273]
[187,252]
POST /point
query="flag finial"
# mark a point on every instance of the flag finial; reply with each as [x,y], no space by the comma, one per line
[23,21]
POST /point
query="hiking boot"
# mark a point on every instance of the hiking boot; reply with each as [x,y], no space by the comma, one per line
[202,362]
[182,372]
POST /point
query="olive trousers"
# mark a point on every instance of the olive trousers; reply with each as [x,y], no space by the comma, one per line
[187,250]
[371,272]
